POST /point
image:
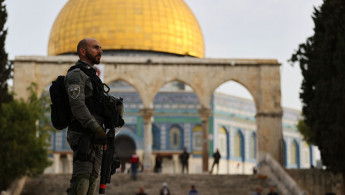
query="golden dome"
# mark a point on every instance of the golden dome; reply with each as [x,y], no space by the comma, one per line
[166,26]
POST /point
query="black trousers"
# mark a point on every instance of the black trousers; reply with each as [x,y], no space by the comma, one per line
[184,166]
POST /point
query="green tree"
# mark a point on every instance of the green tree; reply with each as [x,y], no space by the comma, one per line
[23,143]
[322,62]
[307,133]
[6,67]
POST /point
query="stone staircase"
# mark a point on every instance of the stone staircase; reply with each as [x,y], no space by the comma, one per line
[179,184]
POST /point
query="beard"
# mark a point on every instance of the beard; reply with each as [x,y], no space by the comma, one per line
[93,59]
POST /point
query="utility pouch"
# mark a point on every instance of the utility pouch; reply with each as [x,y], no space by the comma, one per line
[83,149]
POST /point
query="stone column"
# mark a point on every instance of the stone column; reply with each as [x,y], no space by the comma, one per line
[205,114]
[56,163]
[270,136]
[147,114]
[176,163]
[70,162]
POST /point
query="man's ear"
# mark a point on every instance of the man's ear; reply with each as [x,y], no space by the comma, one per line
[82,51]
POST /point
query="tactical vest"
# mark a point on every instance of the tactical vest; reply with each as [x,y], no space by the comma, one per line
[108,107]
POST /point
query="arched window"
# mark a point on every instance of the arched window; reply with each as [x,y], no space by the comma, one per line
[293,153]
[175,138]
[222,146]
[239,145]
[197,140]
[252,146]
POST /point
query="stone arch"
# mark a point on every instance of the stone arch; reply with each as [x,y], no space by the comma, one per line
[128,82]
[43,78]
[176,99]
[181,80]
[128,132]
[148,74]
[247,87]
[124,147]
[178,95]
[142,88]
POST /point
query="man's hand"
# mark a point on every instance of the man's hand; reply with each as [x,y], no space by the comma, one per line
[100,137]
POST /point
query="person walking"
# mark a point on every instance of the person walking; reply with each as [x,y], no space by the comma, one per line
[184,156]
[85,134]
[134,165]
[216,158]
[165,190]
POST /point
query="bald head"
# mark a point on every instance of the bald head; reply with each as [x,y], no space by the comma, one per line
[89,50]
[83,44]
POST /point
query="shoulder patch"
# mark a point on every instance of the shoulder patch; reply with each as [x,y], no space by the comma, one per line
[74,91]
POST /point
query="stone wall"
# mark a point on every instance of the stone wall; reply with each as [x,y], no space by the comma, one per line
[318,181]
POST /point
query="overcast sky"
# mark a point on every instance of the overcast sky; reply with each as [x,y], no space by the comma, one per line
[232,29]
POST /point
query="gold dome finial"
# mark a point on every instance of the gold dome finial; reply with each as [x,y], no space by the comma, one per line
[166,26]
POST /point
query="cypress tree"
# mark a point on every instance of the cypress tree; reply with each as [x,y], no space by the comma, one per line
[322,62]
[6,67]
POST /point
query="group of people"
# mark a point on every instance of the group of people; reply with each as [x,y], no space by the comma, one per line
[166,191]
[184,156]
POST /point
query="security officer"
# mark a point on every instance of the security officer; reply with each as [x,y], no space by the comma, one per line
[85,134]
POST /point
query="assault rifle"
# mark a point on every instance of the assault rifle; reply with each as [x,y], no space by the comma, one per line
[109,162]
[113,122]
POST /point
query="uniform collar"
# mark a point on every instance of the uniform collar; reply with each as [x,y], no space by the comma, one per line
[87,65]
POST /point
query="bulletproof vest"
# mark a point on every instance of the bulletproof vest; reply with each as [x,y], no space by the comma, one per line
[108,107]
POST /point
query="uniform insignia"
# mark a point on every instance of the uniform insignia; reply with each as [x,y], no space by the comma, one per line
[74,91]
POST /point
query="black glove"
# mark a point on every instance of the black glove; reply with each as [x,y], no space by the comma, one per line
[100,137]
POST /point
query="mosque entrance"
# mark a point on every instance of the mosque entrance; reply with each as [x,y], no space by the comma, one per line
[124,147]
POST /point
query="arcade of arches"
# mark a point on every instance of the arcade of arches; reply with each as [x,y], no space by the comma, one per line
[148,74]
